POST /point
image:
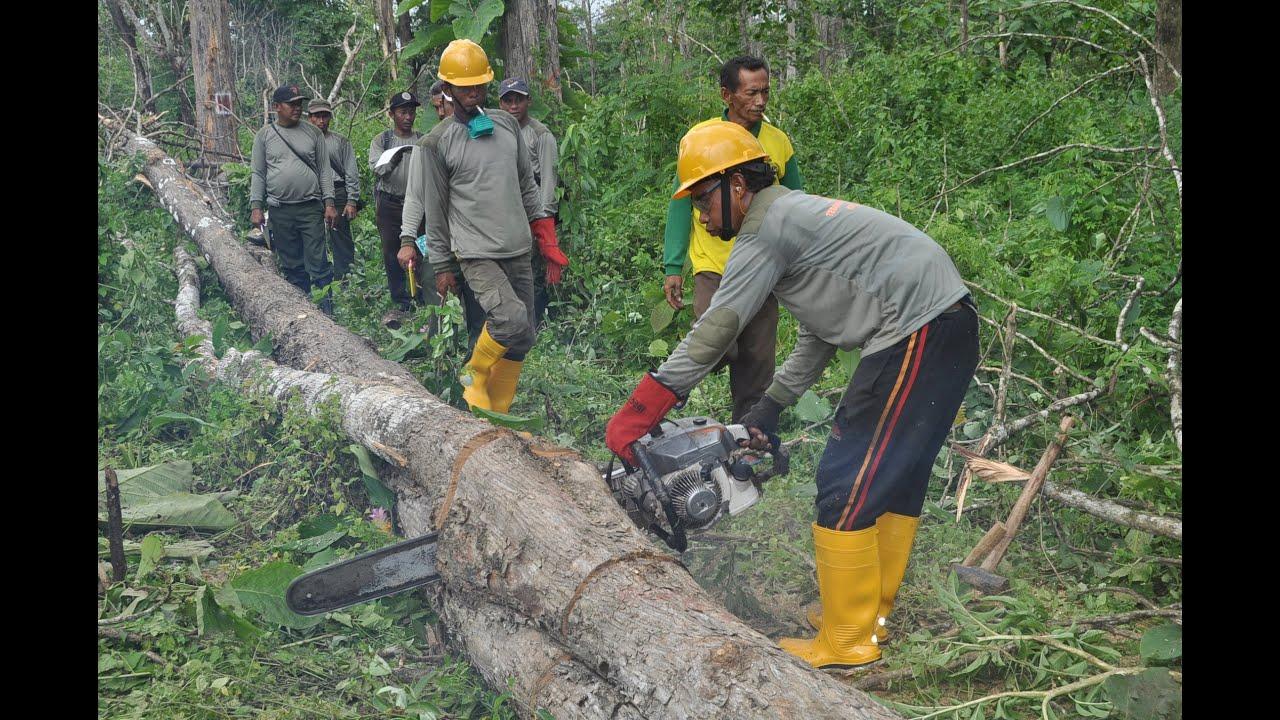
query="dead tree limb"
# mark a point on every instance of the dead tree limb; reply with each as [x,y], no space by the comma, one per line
[346,63]
[539,538]
[1115,512]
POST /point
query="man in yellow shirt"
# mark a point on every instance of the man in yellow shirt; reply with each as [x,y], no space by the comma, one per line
[744,87]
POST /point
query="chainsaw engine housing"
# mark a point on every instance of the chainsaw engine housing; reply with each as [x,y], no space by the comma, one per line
[690,479]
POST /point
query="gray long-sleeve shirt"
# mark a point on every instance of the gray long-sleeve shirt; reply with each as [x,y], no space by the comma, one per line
[543,154]
[853,277]
[393,178]
[279,176]
[346,173]
[478,194]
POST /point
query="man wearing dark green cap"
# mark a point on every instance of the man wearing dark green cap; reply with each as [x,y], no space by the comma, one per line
[346,186]
[291,175]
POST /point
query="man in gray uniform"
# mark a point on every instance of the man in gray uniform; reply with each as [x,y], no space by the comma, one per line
[291,174]
[346,186]
[513,96]
[393,177]
[853,277]
[471,177]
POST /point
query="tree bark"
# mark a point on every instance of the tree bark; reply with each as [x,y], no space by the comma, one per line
[1169,42]
[1114,512]
[532,535]
[591,44]
[211,63]
[385,12]
[531,43]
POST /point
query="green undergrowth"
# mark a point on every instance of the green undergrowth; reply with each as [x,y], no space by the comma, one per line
[196,629]
[1058,235]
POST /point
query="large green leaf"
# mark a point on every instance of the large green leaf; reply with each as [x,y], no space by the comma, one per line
[811,408]
[262,591]
[438,10]
[319,542]
[379,494]
[1161,644]
[407,5]
[427,38]
[148,483]
[661,316]
[849,360]
[658,348]
[1058,212]
[1151,695]
[152,552]
[170,417]
[200,512]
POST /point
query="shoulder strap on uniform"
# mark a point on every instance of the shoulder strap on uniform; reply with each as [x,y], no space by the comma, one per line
[295,152]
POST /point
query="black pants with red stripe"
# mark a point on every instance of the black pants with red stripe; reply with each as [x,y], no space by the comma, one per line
[893,419]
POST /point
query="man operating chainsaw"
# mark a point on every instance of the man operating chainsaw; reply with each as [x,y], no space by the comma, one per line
[853,277]
[472,177]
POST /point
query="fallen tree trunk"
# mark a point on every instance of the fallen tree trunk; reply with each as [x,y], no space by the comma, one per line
[531,542]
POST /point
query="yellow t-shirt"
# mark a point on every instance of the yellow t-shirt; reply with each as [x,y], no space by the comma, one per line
[708,253]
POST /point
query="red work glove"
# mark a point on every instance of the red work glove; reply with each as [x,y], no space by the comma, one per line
[544,229]
[646,407]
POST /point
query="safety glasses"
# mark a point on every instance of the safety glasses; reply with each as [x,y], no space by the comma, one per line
[703,201]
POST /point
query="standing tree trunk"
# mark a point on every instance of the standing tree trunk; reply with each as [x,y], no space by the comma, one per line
[385,11]
[531,43]
[964,26]
[591,44]
[1169,42]
[141,75]
[211,60]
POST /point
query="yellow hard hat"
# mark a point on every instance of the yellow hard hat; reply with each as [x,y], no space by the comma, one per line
[464,63]
[711,148]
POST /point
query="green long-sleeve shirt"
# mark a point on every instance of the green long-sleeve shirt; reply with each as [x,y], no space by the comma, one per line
[679,230]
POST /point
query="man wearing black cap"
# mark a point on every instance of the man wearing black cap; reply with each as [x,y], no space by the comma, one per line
[513,96]
[291,174]
[346,186]
[393,176]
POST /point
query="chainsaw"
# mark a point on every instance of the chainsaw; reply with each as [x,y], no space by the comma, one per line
[690,474]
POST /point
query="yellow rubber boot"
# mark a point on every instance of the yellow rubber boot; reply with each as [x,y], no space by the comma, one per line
[897,534]
[849,584]
[502,383]
[486,353]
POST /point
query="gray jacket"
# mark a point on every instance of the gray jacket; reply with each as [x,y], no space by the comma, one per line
[279,176]
[543,154]
[392,178]
[478,194]
[853,277]
[346,174]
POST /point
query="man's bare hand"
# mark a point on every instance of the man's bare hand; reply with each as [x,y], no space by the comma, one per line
[446,283]
[349,211]
[330,216]
[407,254]
[255,217]
[673,288]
